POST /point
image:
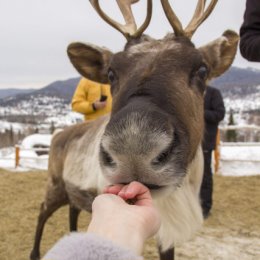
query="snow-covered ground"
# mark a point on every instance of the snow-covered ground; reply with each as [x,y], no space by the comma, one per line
[239,159]
[29,159]
[235,159]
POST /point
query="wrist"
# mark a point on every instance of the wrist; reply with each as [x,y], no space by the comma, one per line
[124,236]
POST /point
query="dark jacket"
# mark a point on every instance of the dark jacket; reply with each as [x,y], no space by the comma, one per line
[250,31]
[214,112]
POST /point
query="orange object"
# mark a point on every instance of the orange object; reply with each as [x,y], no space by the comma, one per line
[17,156]
[217,153]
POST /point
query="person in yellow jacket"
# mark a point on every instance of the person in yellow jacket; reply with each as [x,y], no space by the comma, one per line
[92,99]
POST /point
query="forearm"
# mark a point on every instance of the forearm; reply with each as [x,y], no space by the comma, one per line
[250,31]
[124,236]
[250,47]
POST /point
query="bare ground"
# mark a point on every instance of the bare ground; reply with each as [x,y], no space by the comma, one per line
[232,232]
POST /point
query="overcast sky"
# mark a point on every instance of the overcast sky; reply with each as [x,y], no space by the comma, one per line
[34,34]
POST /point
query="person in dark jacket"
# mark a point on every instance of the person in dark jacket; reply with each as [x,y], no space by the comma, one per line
[250,31]
[214,112]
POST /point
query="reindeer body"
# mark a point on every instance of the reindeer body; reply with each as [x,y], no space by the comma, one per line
[155,129]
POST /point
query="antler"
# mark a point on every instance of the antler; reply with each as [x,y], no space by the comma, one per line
[200,15]
[129,30]
[172,18]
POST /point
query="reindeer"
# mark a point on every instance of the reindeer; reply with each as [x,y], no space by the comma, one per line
[155,129]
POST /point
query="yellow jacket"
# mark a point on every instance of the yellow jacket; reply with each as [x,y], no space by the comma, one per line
[86,93]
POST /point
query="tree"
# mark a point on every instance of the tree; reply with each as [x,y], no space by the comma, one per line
[231,134]
[52,128]
[11,135]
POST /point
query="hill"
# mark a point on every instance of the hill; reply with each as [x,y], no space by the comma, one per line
[238,82]
[5,93]
[62,89]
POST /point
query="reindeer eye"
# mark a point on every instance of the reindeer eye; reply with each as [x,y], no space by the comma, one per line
[111,76]
[203,72]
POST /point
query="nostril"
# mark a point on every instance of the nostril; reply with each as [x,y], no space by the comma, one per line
[161,158]
[164,156]
[106,157]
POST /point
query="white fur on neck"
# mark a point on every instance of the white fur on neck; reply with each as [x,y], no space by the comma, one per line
[181,211]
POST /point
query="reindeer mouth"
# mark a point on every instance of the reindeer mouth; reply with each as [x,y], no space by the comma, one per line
[152,186]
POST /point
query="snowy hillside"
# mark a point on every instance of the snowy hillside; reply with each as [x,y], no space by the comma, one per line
[42,105]
[245,103]
[45,111]
[48,108]
[62,89]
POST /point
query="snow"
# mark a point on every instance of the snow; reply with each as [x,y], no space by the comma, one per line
[247,102]
[4,125]
[250,102]
[237,159]
[36,139]
[68,119]
[60,121]
[28,157]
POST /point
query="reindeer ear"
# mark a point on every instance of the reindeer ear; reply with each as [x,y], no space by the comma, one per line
[220,53]
[90,61]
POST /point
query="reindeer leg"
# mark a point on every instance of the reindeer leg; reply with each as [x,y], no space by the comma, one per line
[55,198]
[167,255]
[74,214]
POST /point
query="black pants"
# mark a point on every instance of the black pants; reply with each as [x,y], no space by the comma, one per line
[206,189]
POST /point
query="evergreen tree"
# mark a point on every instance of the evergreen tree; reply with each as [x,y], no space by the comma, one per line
[231,134]
[11,136]
[52,128]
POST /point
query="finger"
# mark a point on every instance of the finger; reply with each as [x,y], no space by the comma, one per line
[113,189]
[140,192]
[122,192]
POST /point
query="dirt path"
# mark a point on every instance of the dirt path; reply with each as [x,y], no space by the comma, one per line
[232,232]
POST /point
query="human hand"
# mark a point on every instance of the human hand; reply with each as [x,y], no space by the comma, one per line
[141,204]
[126,225]
[99,104]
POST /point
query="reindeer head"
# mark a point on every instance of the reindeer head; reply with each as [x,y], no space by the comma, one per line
[156,124]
